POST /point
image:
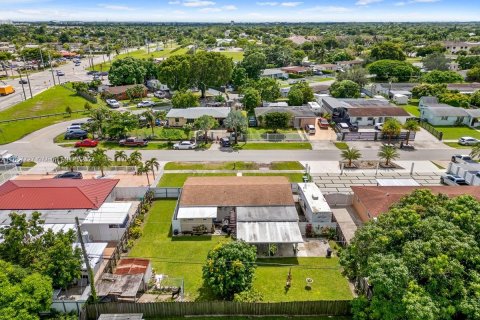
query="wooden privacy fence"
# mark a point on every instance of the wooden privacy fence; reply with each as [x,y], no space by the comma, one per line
[427,126]
[180,309]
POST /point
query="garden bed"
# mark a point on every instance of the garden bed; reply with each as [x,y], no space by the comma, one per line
[370,164]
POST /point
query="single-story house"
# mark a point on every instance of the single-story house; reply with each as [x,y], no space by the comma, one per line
[295,69]
[371,201]
[369,116]
[180,117]
[275,104]
[426,101]
[300,116]
[274,73]
[325,67]
[349,64]
[259,210]
[454,46]
[444,115]
[120,92]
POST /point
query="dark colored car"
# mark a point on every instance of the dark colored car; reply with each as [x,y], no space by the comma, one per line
[225,142]
[76,134]
[69,175]
[23,81]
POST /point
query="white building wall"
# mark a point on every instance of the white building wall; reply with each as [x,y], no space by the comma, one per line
[103,232]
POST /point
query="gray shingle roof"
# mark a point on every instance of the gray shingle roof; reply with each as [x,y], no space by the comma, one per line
[473,112]
[446,111]
[195,113]
[294,111]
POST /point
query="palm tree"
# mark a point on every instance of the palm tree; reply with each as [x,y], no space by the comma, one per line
[80,155]
[152,164]
[141,168]
[99,158]
[68,163]
[120,154]
[391,127]
[388,153]
[411,125]
[135,158]
[475,153]
[58,160]
[151,118]
[351,154]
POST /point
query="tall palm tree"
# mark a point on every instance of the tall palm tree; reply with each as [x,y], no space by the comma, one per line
[388,153]
[80,155]
[68,163]
[120,155]
[411,126]
[475,153]
[391,127]
[99,158]
[58,160]
[135,158]
[152,164]
[141,168]
[351,154]
[151,118]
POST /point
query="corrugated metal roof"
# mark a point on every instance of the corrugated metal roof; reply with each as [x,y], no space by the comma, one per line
[269,232]
[197,112]
[132,266]
[109,213]
[197,213]
[50,194]
[94,252]
[267,214]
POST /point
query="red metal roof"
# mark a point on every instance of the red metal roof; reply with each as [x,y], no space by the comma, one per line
[132,266]
[51,194]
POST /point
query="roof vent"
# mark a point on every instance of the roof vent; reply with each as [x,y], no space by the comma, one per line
[315,196]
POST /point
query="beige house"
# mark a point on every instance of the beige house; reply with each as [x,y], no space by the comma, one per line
[180,117]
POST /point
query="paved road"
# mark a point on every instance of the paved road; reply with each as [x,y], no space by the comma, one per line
[39,146]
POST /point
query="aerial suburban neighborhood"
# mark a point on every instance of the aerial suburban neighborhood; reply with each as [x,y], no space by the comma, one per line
[228,160]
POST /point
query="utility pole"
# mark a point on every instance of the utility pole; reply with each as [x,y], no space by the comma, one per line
[21,80]
[51,69]
[28,79]
[87,263]
[41,58]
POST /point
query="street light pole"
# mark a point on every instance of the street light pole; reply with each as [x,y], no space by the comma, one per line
[51,69]
[21,81]
[28,79]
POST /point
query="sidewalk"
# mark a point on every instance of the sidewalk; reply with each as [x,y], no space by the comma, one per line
[318,167]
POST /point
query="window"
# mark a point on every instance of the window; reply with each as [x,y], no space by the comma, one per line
[177,119]
[190,120]
[359,118]
[444,118]
[370,118]
[460,119]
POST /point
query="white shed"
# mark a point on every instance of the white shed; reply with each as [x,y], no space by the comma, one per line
[313,203]
[400,99]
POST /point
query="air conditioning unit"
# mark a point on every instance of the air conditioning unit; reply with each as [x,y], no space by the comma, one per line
[315,196]
[86,237]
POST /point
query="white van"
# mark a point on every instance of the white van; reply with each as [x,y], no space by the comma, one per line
[9,158]
[310,129]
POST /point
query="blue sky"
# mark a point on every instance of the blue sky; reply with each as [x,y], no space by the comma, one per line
[246,10]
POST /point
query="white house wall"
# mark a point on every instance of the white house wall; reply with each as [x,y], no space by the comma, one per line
[103,232]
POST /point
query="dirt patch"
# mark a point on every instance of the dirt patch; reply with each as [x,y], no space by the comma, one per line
[369,165]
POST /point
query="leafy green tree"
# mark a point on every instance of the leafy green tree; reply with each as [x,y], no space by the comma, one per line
[237,122]
[251,99]
[69,163]
[392,127]
[99,117]
[437,76]
[210,69]
[467,62]
[68,110]
[427,90]
[254,63]
[411,125]
[436,61]
[239,77]
[176,72]
[351,154]
[357,75]
[387,51]
[185,99]
[298,56]
[295,97]
[420,258]
[341,55]
[307,91]
[119,124]
[473,74]
[388,153]
[100,159]
[277,120]
[455,99]
[135,92]
[388,69]
[475,98]
[24,294]
[205,123]
[268,88]
[230,268]
[141,169]
[475,153]
[345,89]
[127,71]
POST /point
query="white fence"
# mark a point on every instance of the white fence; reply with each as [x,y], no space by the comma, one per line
[130,193]
[275,137]
[97,169]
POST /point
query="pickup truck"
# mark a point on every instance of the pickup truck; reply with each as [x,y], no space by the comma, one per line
[133,142]
[452,180]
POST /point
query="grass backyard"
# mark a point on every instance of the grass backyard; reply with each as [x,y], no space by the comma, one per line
[176,180]
[274,146]
[454,133]
[184,257]
[53,100]
[412,109]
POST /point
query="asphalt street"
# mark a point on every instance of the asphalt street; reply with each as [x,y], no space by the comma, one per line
[38,146]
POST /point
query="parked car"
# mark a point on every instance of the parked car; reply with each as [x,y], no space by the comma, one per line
[22,81]
[461,157]
[185,145]
[145,103]
[104,73]
[379,126]
[74,127]
[353,127]
[112,103]
[225,142]
[86,143]
[252,121]
[310,129]
[133,142]
[69,175]
[323,123]
[453,180]
[8,158]
[468,141]
[76,134]
[60,73]
[160,94]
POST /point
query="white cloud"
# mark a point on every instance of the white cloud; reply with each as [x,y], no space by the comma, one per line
[291,4]
[173,2]
[366,2]
[229,7]
[271,4]
[115,7]
[198,3]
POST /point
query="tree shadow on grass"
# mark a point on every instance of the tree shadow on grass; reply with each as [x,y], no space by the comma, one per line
[205,294]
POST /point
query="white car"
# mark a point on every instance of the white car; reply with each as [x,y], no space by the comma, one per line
[379,126]
[112,103]
[185,145]
[468,141]
[146,103]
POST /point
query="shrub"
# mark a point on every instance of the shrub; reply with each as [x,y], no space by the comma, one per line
[251,295]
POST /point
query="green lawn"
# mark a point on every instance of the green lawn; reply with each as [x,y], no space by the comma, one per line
[292,177]
[230,165]
[53,100]
[453,133]
[341,145]
[161,133]
[184,257]
[456,145]
[274,146]
[178,179]
[235,55]
[412,109]
[29,164]
[286,165]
